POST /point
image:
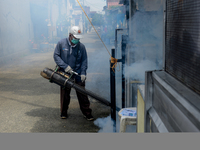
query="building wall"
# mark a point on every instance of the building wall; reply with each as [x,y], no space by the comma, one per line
[15,29]
[60,8]
[55,14]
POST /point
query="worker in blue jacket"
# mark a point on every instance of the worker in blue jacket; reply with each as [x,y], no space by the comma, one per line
[70,55]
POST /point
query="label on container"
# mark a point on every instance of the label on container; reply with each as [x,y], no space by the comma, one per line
[129,112]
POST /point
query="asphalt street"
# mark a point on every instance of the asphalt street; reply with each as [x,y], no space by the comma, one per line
[29,103]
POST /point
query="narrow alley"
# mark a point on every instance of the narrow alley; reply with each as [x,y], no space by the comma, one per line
[30,103]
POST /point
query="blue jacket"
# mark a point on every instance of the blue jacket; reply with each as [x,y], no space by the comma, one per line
[65,54]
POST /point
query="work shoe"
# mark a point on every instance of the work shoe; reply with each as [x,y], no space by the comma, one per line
[89,117]
[63,116]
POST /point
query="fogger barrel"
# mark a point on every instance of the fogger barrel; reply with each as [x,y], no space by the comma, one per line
[63,81]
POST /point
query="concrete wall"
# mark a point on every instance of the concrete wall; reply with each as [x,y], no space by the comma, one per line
[15,29]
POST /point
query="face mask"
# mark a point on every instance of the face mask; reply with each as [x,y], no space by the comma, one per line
[75,41]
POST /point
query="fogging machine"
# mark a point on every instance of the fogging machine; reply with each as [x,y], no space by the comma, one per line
[64,80]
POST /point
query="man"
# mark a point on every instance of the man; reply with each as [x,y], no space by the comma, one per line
[70,55]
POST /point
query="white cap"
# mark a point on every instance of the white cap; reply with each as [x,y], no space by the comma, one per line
[76,31]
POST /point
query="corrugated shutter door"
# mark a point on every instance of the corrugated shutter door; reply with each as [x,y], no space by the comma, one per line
[182,47]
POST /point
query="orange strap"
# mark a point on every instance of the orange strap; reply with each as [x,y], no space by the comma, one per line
[114,62]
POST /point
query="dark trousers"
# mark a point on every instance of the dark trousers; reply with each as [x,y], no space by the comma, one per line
[83,100]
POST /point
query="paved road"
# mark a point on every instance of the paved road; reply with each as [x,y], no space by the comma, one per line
[29,103]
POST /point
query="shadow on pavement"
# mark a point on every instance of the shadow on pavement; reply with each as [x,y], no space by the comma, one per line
[50,120]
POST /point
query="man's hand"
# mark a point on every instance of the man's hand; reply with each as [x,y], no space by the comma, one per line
[83,77]
[69,70]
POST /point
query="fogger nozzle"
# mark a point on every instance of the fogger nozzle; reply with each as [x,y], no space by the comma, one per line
[64,81]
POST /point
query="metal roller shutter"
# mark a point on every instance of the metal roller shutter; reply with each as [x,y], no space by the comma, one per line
[182,47]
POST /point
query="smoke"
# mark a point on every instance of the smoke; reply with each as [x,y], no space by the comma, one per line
[98,73]
[145,47]
[146,40]
[137,70]
[106,125]
[28,27]
[14,34]
[33,27]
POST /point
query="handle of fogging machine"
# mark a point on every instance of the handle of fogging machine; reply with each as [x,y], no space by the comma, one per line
[75,73]
[58,68]
[64,82]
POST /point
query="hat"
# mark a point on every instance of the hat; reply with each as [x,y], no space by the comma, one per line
[76,31]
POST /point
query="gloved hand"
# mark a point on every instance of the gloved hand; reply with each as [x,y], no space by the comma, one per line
[83,77]
[68,69]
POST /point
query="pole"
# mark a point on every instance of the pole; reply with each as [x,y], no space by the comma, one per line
[124,42]
[112,90]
